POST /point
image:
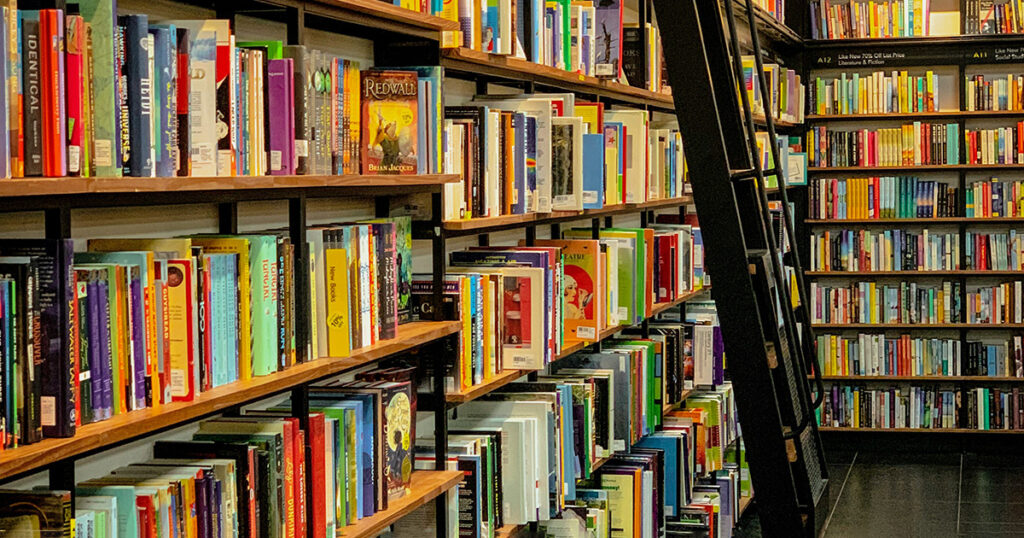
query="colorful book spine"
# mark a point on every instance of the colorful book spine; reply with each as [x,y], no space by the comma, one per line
[281,112]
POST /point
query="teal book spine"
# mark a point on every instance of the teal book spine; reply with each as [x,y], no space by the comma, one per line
[263,290]
[101,16]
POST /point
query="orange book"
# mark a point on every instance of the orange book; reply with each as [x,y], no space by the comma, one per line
[699,417]
[51,31]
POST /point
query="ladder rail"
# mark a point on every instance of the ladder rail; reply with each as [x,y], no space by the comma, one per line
[778,272]
[808,339]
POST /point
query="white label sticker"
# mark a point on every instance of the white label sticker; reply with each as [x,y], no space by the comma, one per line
[586,333]
[275,159]
[301,148]
[74,159]
[104,153]
[48,410]
[589,197]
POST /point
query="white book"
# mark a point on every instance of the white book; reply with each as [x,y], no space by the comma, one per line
[635,123]
[567,163]
[540,108]
[517,465]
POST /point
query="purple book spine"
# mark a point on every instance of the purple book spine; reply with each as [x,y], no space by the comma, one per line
[139,345]
[99,329]
[282,122]
[718,347]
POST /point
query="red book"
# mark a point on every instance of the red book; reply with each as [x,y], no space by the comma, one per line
[301,511]
[75,91]
[318,473]
[288,440]
[51,26]
[662,246]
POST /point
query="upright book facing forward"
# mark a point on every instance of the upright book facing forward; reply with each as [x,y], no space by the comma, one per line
[389,122]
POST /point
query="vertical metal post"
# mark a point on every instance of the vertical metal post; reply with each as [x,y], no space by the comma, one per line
[62,477]
[483,240]
[227,217]
[595,228]
[58,223]
[531,235]
[296,21]
[446,348]
[556,231]
[438,254]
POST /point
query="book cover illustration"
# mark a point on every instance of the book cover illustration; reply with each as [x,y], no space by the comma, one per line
[389,122]
[398,413]
[567,164]
[608,46]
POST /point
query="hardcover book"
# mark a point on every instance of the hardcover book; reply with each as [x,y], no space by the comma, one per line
[389,122]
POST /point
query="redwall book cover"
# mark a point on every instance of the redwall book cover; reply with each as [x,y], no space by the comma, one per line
[389,122]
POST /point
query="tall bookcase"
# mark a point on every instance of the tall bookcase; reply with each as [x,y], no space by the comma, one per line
[959,56]
[400,37]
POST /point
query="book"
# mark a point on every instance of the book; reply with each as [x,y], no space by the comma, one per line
[389,127]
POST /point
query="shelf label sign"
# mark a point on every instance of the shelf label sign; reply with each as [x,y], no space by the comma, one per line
[836,59]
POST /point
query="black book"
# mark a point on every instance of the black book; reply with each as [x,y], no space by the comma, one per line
[23,271]
[184,79]
[53,258]
[303,75]
[387,279]
[33,91]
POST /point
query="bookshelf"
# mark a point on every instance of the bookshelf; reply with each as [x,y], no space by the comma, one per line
[392,29]
[956,58]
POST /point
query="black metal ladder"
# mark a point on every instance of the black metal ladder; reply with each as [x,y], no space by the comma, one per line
[768,338]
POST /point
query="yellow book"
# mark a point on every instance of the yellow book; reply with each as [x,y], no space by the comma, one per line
[856,409]
[929,104]
[339,343]
[872,303]
[181,337]
[450,10]
[239,246]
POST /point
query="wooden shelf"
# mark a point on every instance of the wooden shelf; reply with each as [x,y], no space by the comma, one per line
[510,531]
[121,428]
[507,222]
[916,430]
[760,120]
[779,32]
[923,379]
[29,193]
[425,487]
[875,170]
[744,504]
[962,272]
[676,405]
[917,220]
[506,377]
[381,15]
[958,42]
[476,391]
[910,116]
[911,326]
[468,62]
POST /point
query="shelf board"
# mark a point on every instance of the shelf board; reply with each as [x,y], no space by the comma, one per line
[760,120]
[676,405]
[476,226]
[875,170]
[510,531]
[381,15]
[744,504]
[425,487]
[909,116]
[917,220]
[28,193]
[500,380]
[923,379]
[778,31]
[956,41]
[121,428]
[468,62]
[911,326]
[843,274]
[915,430]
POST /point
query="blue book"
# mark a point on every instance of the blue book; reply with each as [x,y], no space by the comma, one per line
[165,52]
[139,80]
[593,171]
[672,446]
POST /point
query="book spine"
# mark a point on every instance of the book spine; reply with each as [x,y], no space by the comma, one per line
[139,90]
[183,153]
[32,91]
[163,91]
[75,44]
[282,138]
[53,88]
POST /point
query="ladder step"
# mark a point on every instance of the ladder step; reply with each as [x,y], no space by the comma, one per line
[751,173]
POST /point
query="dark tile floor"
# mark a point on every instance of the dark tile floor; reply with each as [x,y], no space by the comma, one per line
[929,495]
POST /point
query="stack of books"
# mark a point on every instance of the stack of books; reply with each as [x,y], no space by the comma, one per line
[993,17]
[138,323]
[831,19]
[520,306]
[547,152]
[995,304]
[882,198]
[878,355]
[641,415]
[995,198]
[876,93]
[895,302]
[1002,145]
[1002,93]
[884,250]
[906,406]
[127,105]
[908,145]
[247,475]
[994,251]
[786,100]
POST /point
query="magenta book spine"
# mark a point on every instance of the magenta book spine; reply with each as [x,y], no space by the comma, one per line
[281,111]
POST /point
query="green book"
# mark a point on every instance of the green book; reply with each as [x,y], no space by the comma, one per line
[124,497]
[99,14]
[274,48]
[263,290]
